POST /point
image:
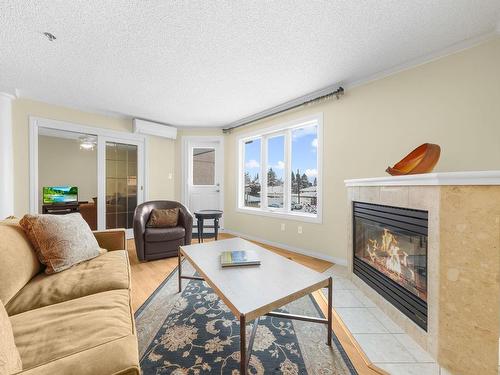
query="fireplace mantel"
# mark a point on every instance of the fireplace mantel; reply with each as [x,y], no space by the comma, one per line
[431,179]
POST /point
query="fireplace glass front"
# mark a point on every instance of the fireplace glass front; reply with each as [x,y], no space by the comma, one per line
[390,254]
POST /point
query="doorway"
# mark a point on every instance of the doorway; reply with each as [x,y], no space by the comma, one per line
[118,173]
[203,174]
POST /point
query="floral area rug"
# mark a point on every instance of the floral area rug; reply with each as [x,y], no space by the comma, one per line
[195,333]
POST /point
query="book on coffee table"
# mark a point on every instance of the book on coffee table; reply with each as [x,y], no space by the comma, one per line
[239,258]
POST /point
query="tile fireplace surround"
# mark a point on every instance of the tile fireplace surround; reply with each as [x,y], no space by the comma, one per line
[463,270]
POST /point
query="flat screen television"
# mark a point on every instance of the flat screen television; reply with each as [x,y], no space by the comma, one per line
[60,194]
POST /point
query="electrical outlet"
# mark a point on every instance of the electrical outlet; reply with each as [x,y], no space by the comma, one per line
[299,229]
[170,176]
[282,227]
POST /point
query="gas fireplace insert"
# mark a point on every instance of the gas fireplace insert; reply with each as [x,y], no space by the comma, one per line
[390,255]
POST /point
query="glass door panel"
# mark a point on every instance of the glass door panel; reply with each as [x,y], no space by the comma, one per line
[121,184]
[203,166]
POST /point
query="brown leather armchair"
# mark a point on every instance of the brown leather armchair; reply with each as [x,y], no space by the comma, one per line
[156,243]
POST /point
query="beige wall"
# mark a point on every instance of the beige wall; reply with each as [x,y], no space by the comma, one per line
[454,102]
[62,162]
[161,151]
[161,168]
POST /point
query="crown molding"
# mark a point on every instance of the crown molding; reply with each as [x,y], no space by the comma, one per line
[348,84]
[422,60]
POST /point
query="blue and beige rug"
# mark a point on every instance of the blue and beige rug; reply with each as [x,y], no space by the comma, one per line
[195,333]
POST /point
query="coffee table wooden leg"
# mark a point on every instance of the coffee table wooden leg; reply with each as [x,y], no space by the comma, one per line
[179,269]
[330,303]
[243,344]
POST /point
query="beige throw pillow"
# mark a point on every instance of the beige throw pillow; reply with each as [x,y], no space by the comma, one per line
[10,360]
[60,241]
[166,218]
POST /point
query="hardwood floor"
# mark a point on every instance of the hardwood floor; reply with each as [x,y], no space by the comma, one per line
[147,276]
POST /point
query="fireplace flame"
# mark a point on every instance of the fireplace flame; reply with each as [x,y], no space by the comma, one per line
[390,256]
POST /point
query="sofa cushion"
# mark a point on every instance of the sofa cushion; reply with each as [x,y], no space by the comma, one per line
[101,323]
[10,361]
[18,261]
[109,271]
[118,357]
[60,241]
[164,234]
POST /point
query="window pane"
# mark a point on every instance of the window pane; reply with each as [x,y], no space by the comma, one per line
[304,169]
[203,166]
[252,169]
[275,168]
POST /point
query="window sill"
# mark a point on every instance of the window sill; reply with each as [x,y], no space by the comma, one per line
[308,218]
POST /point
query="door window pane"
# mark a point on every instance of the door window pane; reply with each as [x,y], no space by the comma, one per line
[121,184]
[203,166]
[252,169]
[275,169]
[304,179]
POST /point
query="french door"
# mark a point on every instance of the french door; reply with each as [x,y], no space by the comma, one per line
[120,171]
[121,182]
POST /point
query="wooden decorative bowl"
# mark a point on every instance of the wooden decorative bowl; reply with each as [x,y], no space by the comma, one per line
[421,160]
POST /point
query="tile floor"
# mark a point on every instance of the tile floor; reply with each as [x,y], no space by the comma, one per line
[382,340]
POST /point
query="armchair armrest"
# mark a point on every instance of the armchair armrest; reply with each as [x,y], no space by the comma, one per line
[111,239]
[186,221]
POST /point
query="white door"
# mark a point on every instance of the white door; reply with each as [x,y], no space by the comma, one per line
[203,163]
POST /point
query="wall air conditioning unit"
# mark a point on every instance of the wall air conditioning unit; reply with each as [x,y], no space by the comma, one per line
[154,128]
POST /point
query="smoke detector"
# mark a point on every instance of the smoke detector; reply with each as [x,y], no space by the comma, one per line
[51,37]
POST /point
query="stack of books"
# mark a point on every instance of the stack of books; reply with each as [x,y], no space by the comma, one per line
[239,258]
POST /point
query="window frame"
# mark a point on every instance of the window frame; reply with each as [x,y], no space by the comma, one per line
[264,135]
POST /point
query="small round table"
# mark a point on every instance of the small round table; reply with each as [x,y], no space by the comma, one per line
[201,215]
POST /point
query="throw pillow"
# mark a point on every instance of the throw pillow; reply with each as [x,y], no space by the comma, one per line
[10,360]
[60,241]
[166,218]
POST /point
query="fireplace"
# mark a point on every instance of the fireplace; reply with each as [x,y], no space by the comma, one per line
[390,255]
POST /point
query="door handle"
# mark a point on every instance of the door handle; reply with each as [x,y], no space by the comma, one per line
[217,191]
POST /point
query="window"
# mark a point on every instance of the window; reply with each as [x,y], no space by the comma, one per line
[275,171]
[252,169]
[304,176]
[203,166]
[280,171]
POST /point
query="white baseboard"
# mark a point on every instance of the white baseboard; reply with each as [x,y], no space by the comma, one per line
[314,254]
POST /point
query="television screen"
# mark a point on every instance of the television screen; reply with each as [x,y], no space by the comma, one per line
[60,194]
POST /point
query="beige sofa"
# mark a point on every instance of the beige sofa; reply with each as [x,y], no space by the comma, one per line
[78,321]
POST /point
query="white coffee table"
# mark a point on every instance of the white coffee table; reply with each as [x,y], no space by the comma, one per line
[253,291]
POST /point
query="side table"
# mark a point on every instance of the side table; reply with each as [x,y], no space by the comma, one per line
[201,215]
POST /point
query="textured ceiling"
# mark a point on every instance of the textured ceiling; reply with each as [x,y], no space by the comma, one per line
[208,63]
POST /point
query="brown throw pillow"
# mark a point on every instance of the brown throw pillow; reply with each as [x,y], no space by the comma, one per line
[10,360]
[60,241]
[166,218]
